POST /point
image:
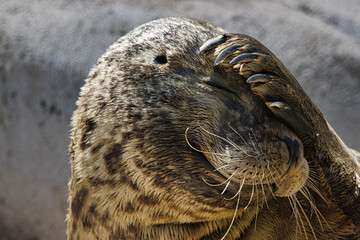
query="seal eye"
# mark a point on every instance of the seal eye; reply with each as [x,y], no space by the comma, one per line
[161,59]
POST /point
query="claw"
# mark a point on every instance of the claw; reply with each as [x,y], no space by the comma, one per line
[224,53]
[258,78]
[244,56]
[277,105]
[212,43]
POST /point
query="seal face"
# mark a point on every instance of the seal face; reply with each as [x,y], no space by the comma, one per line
[180,137]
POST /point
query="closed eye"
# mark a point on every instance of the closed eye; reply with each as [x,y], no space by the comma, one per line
[218,86]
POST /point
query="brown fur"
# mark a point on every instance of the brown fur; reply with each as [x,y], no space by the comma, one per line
[158,128]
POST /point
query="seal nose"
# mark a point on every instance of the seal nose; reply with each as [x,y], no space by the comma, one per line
[294,148]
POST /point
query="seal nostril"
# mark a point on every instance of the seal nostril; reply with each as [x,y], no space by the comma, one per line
[294,148]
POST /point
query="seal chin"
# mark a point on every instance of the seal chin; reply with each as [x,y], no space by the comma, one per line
[294,179]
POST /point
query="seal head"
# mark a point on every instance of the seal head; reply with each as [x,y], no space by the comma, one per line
[168,143]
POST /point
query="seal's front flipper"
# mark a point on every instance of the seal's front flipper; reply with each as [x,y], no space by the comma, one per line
[267,76]
[334,165]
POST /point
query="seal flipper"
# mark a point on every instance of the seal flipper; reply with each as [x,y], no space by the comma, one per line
[267,77]
[337,169]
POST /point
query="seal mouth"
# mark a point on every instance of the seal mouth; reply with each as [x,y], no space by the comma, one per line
[280,164]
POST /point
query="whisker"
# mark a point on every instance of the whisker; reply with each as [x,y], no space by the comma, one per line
[219,168]
[257,142]
[268,183]
[238,147]
[238,134]
[263,190]
[312,185]
[219,184]
[313,208]
[272,176]
[297,217]
[276,171]
[299,214]
[251,197]
[281,170]
[252,142]
[198,150]
[313,205]
[226,140]
[257,207]
[226,187]
[238,192]
[233,219]
[305,192]
[293,209]
[307,219]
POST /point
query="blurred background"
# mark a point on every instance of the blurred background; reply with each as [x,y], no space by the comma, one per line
[48,47]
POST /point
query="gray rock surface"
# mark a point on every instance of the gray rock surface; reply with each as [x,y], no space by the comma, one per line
[48,47]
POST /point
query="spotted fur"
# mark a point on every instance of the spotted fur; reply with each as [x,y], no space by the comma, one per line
[151,141]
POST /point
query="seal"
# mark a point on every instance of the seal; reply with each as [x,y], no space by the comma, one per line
[184,131]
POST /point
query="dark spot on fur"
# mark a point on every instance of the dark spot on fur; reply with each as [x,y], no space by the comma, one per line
[113,158]
[102,104]
[133,50]
[89,126]
[105,216]
[139,144]
[113,132]
[148,200]
[207,210]
[84,107]
[96,182]
[126,180]
[133,228]
[78,201]
[83,144]
[139,162]
[94,74]
[160,180]
[133,113]
[87,221]
[133,185]
[92,209]
[97,148]
[126,136]
[129,207]
[118,234]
